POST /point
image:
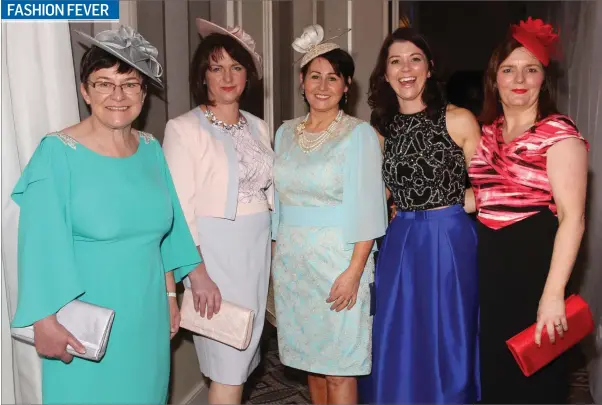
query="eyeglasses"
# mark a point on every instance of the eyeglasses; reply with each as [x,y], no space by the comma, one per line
[130,88]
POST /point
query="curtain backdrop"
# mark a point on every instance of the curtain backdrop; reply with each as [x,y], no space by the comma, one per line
[581,97]
[38,96]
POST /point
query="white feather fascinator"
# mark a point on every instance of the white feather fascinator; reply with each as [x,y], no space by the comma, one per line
[311,43]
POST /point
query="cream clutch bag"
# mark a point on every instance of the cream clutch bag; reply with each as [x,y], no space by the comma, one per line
[89,323]
[233,325]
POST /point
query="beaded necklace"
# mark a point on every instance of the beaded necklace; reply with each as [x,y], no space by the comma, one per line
[310,143]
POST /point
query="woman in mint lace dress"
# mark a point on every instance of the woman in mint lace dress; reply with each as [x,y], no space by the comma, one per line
[100,222]
[330,206]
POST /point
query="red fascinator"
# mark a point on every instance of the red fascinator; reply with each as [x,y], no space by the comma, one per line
[539,38]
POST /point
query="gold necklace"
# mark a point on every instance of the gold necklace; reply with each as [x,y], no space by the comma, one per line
[309,144]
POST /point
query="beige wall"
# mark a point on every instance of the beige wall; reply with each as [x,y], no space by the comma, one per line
[186,380]
[367,32]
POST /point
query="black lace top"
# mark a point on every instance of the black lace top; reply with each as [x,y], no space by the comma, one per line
[422,166]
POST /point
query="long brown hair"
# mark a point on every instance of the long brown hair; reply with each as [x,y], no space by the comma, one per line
[492,107]
[381,97]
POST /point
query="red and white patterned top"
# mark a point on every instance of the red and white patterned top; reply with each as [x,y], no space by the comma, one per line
[510,180]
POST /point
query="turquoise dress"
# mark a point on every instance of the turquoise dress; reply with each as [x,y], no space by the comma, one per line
[326,200]
[103,230]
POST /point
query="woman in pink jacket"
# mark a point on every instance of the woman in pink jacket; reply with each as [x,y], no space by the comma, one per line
[221,159]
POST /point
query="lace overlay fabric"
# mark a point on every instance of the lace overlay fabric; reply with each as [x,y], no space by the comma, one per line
[321,182]
[308,259]
[255,164]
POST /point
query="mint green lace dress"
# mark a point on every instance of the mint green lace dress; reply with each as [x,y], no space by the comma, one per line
[326,201]
[104,230]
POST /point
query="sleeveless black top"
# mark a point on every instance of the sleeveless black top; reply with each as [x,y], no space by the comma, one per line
[422,166]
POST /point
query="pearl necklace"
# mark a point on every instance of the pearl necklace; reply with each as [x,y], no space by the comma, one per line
[222,125]
[309,144]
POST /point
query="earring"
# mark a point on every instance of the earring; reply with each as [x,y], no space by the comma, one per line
[346,99]
[302,91]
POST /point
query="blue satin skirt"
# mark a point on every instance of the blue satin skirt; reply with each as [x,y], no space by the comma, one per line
[425,344]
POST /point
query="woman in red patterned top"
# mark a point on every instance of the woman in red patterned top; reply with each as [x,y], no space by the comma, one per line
[529,177]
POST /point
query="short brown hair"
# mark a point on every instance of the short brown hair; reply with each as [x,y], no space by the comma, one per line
[96,58]
[210,48]
[492,107]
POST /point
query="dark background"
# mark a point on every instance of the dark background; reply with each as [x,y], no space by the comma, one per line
[462,35]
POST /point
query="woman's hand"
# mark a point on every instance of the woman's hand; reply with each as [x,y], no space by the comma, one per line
[551,315]
[344,290]
[205,293]
[174,316]
[51,339]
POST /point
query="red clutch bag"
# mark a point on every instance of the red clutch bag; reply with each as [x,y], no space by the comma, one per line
[531,358]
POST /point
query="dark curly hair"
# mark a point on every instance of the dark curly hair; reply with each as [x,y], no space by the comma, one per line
[492,107]
[211,48]
[381,97]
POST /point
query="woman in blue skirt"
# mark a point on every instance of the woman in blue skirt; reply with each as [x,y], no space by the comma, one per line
[425,346]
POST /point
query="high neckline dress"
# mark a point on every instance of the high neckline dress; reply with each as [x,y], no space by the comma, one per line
[103,230]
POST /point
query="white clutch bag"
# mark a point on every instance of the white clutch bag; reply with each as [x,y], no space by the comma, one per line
[233,325]
[90,324]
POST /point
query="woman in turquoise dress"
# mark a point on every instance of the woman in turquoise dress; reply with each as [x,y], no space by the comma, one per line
[330,206]
[100,222]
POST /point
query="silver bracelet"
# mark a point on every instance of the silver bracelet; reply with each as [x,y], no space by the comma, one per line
[171,294]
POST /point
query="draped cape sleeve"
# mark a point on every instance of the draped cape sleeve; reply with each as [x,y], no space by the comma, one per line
[276,201]
[178,248]
[47,276]
[364,200]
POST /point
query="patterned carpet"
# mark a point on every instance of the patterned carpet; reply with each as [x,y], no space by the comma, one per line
[273,383]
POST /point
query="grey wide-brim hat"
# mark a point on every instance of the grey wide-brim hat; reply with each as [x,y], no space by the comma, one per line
[129,46]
